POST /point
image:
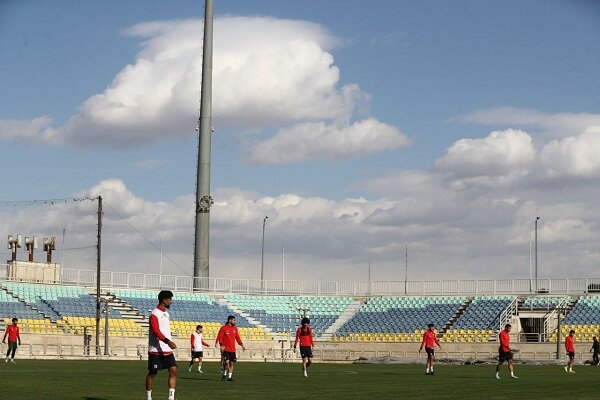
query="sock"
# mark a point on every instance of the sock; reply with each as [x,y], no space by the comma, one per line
[149,394]
[431,369]
[171,394]
[224,372]
[427,370]
[231,373]
[497,374]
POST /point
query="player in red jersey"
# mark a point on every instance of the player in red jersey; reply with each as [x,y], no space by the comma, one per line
[505,352]
[570,348]
[218,345]
[304,335]
[429,341]
[227,336]
[12,331]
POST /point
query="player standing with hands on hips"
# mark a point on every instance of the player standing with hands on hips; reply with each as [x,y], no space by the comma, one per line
[430,340]
[304,335]
[160,345]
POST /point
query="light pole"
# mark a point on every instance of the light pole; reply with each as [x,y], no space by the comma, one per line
[536,253]
[262,255]
[406,270]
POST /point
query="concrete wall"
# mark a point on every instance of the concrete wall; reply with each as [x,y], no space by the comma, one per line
[71,346]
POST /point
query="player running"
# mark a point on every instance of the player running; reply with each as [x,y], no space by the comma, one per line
[196,343]
[429,341]
[304,335]
[160,346]
[505,352]
[12,331]
[570,348]
[227,336]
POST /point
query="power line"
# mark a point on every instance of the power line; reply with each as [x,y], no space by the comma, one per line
[16,203]
[146,239]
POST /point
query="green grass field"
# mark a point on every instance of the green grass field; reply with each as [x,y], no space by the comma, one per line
[29,379]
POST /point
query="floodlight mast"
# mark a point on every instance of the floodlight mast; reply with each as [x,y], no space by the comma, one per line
[203,199]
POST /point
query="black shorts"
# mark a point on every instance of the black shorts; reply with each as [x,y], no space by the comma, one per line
[157,362]
[430,352]
[504,355]
[197,354]
[571,355]
[230,356]
[306,351]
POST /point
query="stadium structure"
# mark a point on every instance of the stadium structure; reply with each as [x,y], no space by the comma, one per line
[59,309]
[56,308]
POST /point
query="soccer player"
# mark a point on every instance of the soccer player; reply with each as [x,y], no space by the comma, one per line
[219,345]
[570,348]
[196,343]
[160,345]
[429,341]
[596,349]
[505,352]
[304,335]
[227,336]
[12,331]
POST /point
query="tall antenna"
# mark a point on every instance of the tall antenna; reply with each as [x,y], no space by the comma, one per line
[203,199]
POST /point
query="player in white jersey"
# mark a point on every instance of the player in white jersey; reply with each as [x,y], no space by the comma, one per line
[196,343]
[160,346]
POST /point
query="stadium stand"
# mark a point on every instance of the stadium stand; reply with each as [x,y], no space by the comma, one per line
[542,303]
[583,318]
[480,320]
[281,314]
[191,309]
[53,309]
[68,308]
[399,319]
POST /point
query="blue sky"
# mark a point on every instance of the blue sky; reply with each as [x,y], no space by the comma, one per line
[381,113]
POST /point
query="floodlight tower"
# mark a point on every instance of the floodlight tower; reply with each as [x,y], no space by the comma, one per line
[49,247]
[14,244]
[203,198]
[31,244]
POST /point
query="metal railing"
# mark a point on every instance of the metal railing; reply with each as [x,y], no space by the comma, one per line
[551,320]
[136,280]
[507,314]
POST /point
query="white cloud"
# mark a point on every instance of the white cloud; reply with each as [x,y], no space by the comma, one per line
[328,141]
[150,164]
[501,158]
[267,73]
[451,234]
[575,156]
[555,125]
[11,129]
